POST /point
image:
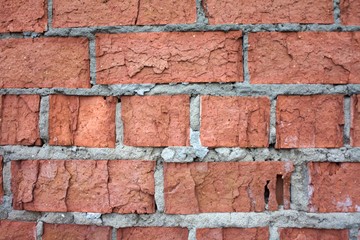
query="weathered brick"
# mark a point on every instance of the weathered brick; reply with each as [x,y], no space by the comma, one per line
[82,121]
[78,232]
[23,16]
[156,120]
[313,234]
[232,234]
[169,57]
[152,233]
[226,186]
[258,11]
[83,186]
[235,121]
[304,57]
[17,230]
[309,121]
[355,121]
[19,120]
[1,181]
[68,13]
[334,187]
[44,63]
[350,12]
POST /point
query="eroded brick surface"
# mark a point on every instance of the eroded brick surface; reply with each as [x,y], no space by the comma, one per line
[350,12]
[83,186]
[152,233]
[17,230]
[232,234]
[235,121]
[313,234]
[169,57]
[226,186]
[355,121]
[334,187]
[156,120]
[258,11]
[19,120]
[78,232]
[304,57]
[44,63]
[309,121]
[23,16]
[82,121]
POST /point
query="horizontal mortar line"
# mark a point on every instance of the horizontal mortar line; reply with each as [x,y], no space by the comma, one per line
[298,156]
[220,89]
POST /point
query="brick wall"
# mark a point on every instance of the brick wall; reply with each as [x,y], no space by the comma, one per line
[185,120]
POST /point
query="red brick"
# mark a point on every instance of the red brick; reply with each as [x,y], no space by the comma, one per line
[232,234]
[350,12]
[44,63]
[309,121]
[82,121]
[235,121]
[156,120]
[258,11]
[1,181]
[226,186]
[23,16]
[78,232]
[83,186]
[304,57]
[17,230]
[355,121]
[334,187]
[68,13]
[169,57]
[152,233]
[313,234]
[19,120]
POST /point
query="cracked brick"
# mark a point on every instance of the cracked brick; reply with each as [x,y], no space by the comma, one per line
[152,233]
[232,233]
[17,230]
[313,234]
[78,232]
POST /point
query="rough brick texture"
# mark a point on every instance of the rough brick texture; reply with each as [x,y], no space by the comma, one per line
[309,121]
[355,121]
[82,121]
[350,12]
[19,120]
[235,121]
[258,11]
[78,232]
[169,57]
[232,234]
[83,186]
[313,234]
[156,120]
[334,187]
[304,57]
[23,16]
[17,230]
[44,63]
[70,13]
[226,187]
[152,233]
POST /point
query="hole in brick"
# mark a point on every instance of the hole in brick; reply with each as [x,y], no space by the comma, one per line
[279,190]
[266,193]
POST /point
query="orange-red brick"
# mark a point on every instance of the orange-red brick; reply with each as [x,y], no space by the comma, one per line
[19,120]
[232,233]
[152,233]
[258,11]
[44,63]
[334,187]
[191,188]
[156,120]
[350,12]
[82,121]
[72,231]
[304,57]
[355,121]
[235,121]
[17,230]
[309,121]
[23,16]
[313,234]
[83,186]
[169,57]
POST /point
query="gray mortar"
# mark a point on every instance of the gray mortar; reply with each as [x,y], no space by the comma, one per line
[354,233]
[44,119]
[299,196]
[39,230]
[347,117]
[50,14]
[273,233]
[272,128]
[337,12]
[92,56]
[159,187]
[200,13]
[245,55]
[119,126]
[195,113]
[192,233]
